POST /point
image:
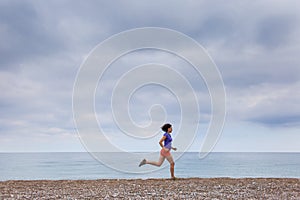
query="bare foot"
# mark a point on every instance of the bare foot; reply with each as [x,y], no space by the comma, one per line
[143,162]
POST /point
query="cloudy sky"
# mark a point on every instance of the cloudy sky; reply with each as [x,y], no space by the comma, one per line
[255,45]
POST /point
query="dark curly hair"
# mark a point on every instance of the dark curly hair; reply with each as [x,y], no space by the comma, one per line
[165,127]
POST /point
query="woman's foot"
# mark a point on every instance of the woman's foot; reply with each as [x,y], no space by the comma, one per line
[173,178]
[143,162]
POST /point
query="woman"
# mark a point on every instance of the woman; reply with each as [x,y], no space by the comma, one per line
[165,151]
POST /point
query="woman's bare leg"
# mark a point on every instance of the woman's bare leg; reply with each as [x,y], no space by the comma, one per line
[172,165]
[158,163]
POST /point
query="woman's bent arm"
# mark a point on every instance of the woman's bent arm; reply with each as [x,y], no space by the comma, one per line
[161,141]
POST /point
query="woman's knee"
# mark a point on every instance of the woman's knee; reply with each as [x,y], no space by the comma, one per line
[159,164]
[172,164]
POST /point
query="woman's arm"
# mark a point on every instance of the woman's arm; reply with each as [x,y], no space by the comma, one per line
[161,141]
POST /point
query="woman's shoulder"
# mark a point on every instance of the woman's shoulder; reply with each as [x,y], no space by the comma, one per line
[167,135]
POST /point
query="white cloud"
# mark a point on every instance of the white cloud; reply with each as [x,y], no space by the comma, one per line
[269,104]
[254,44]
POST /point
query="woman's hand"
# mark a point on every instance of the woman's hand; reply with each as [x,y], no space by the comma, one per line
[173,148]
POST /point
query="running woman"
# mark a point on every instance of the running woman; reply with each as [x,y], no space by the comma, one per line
[165,150]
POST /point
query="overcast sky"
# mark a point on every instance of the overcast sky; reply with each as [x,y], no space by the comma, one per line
[255,45]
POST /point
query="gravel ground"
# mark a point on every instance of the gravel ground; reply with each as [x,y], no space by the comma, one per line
[188,188]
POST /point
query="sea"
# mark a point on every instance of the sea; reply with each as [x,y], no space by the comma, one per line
[83,166]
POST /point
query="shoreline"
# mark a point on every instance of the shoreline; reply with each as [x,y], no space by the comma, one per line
[152,188]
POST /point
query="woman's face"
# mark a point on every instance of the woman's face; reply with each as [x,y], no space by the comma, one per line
[170,130]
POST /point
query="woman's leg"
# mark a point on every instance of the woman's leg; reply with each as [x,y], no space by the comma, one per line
[158,163]
[172,165]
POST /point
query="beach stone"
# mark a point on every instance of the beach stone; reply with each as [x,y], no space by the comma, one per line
[191,188]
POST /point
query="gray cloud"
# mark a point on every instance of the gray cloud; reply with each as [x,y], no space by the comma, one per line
[254,44]
[267,104]
[24,35]
[274,31]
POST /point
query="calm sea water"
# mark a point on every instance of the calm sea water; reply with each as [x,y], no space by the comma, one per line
[54,166]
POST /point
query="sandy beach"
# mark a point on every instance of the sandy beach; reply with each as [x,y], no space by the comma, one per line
[187,188]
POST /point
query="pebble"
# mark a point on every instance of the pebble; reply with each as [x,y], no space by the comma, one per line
[189,188]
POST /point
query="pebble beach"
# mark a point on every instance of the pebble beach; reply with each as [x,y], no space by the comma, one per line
[185,188]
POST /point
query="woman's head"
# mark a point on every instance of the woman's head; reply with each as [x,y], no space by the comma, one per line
[167,128]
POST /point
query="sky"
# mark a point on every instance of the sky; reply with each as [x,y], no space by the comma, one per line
[254,44]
